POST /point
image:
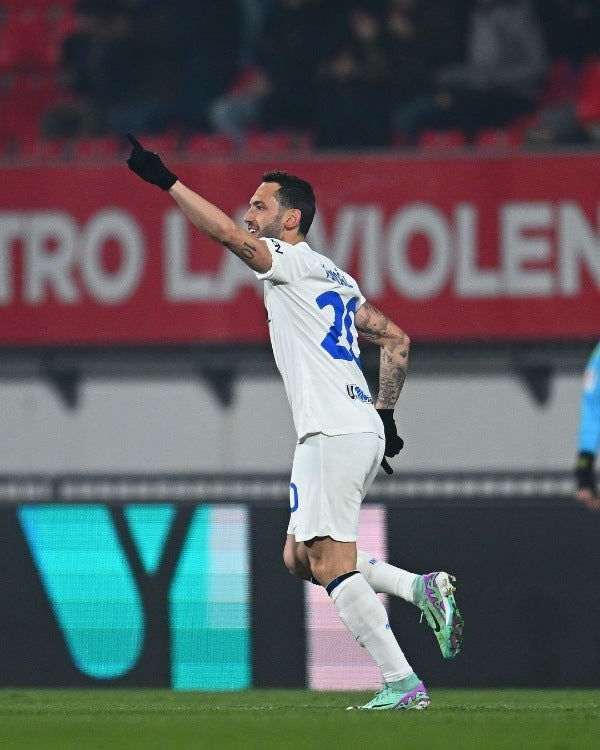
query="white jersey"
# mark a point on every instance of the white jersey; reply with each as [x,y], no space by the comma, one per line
[310,308]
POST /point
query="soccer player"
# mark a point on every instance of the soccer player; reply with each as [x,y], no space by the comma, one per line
[589,434]
[315,312]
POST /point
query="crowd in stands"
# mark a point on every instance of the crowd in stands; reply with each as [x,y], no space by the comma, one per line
[326,74]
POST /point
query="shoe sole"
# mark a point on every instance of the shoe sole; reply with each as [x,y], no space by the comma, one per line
[421,705]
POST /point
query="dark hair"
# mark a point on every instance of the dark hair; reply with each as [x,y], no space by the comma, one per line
[294,192]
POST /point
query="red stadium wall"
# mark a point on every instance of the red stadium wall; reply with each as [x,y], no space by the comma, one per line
[466,249]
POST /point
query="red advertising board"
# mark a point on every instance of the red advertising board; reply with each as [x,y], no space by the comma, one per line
[467,248]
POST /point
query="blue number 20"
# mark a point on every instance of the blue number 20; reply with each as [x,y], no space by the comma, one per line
[343,316]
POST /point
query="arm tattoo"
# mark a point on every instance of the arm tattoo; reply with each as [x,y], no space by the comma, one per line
[393,361]
[393,364]
[247,251]
[374,325]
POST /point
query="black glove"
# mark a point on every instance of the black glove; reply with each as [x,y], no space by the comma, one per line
[584,472]
[148,165]
[393,443]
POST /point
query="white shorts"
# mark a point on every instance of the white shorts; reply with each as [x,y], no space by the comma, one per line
[330,478]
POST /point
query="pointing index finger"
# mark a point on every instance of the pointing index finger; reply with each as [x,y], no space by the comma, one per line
[133,141]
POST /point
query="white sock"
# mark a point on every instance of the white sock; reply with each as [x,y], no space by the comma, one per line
[384,578]
[364,615]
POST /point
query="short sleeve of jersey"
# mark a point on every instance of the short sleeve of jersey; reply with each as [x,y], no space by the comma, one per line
[290,262]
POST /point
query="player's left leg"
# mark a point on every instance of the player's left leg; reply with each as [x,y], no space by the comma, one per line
[364,615]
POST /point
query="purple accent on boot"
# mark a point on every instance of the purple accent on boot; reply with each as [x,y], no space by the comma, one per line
[417,696]
[428,587]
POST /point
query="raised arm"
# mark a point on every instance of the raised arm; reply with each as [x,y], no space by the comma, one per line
[206,217]
[215,224]
[373,325]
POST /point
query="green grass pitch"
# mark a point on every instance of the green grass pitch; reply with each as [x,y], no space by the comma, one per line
[288,719]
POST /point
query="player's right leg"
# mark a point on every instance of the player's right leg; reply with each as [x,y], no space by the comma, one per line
[382,577]
[364,615]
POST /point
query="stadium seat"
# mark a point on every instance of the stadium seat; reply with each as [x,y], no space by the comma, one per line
[41,149]
[208,144]
[21,138]
[163,143]
[588,98]
[438,139]
[499,137]
[6,147]
[303,141]
[560,85]
[93,147]
[268,142]
[25,43]
[25,96]
[62,21]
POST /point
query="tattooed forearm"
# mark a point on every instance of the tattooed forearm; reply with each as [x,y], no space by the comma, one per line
[373,325]
[371,335]
[393,366]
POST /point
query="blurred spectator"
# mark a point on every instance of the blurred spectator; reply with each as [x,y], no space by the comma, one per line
[572,32]
[153,75]
[557,125]
[587,102]
[408,49]
[93,71]
[253,12]
[355,73]
[576,118]
[145,65]
[444,23]
[294,39]
[500,79]
[571,28]
[185,55]
[212,49]
[352,93]
[422,36]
